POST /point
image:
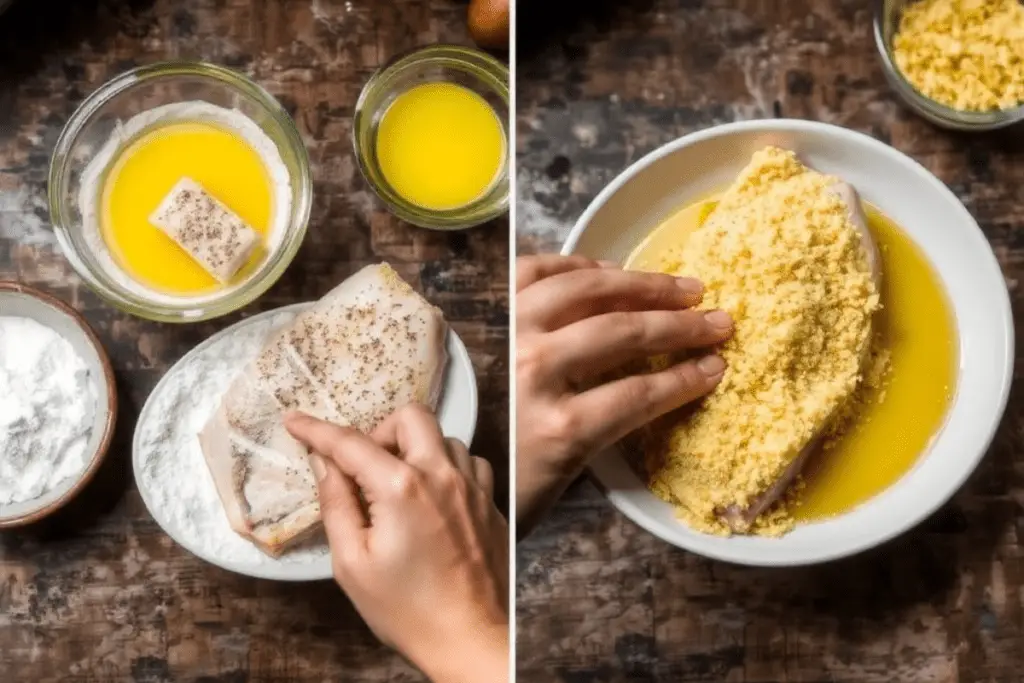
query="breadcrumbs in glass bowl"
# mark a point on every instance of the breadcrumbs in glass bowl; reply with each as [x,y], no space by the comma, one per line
[957,63]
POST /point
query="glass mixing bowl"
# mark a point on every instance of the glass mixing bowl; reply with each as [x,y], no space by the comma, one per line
[463,66]
[143,89]
[887,19]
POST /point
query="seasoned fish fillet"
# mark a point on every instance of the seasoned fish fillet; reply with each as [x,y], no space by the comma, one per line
[213,235]
[371,345]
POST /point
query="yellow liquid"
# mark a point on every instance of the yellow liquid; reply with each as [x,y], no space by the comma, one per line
[899,420]
[440,146]
[216,158]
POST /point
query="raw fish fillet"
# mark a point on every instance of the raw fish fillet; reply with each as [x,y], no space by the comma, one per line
[739,519]
[368,347]
[212,234]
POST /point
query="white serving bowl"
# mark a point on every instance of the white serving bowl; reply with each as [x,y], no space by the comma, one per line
[696,165]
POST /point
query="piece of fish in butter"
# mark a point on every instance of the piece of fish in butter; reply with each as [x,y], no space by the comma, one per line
[214,235]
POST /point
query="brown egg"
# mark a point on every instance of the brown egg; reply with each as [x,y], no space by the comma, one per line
[488,23]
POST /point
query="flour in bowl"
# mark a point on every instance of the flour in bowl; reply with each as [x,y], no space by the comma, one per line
[179,488]
[47,408]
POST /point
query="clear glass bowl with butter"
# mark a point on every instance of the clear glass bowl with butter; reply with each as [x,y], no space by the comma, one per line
[886,25]
[415,105]
[182,111]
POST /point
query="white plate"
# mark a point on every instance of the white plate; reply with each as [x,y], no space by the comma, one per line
[689,169]
[457,414]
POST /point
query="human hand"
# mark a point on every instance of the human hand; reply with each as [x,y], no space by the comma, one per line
[424,558]
[576,319]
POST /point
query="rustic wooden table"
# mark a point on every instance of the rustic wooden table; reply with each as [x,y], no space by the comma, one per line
[100,594]
[599,84]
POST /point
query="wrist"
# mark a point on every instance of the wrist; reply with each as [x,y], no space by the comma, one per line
[475,652]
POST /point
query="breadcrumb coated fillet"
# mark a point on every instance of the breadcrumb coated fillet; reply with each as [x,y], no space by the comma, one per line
[965,54]
[781,253]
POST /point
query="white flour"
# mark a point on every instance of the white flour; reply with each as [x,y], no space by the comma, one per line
[47,407]
[178,484]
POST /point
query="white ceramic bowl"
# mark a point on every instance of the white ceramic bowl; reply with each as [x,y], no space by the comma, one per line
[693,166]
[25,302]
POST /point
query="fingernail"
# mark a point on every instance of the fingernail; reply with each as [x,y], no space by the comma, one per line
[719,320]
[319,467]
[711,366]
[690,284]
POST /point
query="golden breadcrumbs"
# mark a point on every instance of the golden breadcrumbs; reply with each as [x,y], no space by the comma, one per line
[781,254]
[965,54]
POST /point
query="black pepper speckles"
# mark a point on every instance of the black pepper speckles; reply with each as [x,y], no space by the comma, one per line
[358,354]
[218,239]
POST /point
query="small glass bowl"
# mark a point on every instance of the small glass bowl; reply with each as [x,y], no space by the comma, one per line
[464,66]
[887,18]
[143,89]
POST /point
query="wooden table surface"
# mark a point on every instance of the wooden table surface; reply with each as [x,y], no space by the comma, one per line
[101,594]
[599,84]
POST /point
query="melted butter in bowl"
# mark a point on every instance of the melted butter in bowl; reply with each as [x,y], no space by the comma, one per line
[217,157]
[180,192]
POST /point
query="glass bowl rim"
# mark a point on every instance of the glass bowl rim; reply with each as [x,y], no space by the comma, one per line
[451,219]
[263,278]
[933,110]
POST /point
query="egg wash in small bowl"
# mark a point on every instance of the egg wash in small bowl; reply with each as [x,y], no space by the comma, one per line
[180,191]
[430,136]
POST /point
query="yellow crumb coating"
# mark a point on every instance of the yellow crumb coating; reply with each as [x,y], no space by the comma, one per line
[781,254]
[965,54]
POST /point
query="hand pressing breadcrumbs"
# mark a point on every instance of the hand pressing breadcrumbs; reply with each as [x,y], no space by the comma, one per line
[578,319]
[416,541]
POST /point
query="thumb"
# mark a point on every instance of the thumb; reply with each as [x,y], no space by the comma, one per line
[340,508]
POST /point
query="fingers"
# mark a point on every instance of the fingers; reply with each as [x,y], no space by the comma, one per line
[460,457]
[615,409]
[413,431]
[604,342]
[566,298]
[373,469]
[342,514]
[484,475]
[531,269]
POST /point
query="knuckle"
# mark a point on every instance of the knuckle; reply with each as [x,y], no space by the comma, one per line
[632,327]
[531,358]
[561,425]
[413,409]
[406,484]
[662,289]
[452,482]
[689,377]
[639,393]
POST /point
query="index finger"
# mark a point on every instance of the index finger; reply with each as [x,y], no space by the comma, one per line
[372,468]
[572,296]
[413,431]
[531,269]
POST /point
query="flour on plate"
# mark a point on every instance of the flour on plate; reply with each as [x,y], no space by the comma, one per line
[180,489]
[47,408]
